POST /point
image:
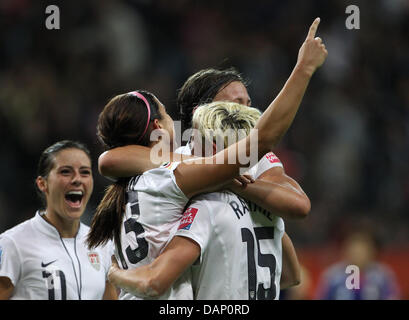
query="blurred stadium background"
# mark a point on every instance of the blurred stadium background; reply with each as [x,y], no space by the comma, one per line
[348,147]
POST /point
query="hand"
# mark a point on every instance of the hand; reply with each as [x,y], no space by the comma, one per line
[312,53]
[240,182]
[114,268]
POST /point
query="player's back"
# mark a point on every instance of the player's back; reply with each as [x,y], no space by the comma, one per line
[153,211]
[237,260]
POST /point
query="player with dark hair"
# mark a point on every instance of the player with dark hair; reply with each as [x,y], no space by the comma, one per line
[244,239]
[209,85]
[46,257]
[311,55]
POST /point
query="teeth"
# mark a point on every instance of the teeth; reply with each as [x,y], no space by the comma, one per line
[78,193]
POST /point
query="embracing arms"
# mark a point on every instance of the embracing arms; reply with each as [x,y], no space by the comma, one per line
[156,278]
[216,170]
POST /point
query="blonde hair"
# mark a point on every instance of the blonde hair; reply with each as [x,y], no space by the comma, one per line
[223,120]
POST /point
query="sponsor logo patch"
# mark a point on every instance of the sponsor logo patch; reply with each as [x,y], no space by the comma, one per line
[166,165]
[93,258]
[188,218]
[272,158]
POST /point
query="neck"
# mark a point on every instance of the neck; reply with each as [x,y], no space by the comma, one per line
[66,228]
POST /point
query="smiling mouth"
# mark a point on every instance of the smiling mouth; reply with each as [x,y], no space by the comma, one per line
[74,198]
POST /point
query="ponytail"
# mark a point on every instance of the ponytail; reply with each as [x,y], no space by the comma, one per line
[107,220]
[124,121]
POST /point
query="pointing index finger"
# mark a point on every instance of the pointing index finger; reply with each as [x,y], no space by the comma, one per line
[313,28]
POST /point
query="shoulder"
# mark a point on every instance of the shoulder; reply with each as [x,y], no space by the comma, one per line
[14,239]
[214,197]
[156,177]
[165,170]
[17,231]
[213,202]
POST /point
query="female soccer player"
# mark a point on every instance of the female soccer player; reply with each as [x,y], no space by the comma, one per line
[46,257]
[222,227]
[164,193]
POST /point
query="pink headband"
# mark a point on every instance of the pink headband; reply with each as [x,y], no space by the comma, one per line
[140,96]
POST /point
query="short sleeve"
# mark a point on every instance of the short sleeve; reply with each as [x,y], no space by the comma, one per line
[196,224]
[269,160]
[10,262]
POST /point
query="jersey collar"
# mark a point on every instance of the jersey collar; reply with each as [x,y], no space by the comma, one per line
[46,228]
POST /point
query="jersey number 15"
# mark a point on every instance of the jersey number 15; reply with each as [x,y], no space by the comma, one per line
[264,260]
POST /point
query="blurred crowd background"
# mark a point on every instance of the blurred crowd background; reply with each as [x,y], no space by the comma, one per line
[349,144]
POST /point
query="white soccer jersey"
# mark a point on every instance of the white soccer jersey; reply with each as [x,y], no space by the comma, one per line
[43,266]
[240,250]
[154,208]
[259,253]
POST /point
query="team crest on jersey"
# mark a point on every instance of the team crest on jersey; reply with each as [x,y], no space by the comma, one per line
[93,258]
[272,158]
[188,218]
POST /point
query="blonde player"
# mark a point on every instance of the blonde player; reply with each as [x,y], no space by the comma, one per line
[238,246]
[168,191]
[46,257]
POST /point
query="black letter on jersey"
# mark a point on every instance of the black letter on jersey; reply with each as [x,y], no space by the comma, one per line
[235,206]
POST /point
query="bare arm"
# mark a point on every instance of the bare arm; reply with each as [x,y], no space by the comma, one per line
[281,112]
[277,193]
[131,160]
[211,173]
[110,292]
[156,278]
[6,288]
[291,273]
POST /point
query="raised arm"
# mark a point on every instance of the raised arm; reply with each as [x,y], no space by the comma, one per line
[132,160]
[155,279]
[280,112]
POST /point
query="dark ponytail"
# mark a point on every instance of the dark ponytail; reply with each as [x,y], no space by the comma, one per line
[106,223]
[122,122]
